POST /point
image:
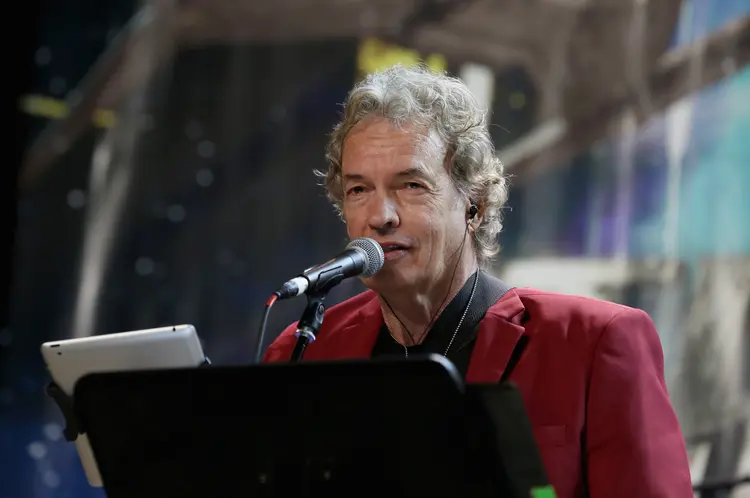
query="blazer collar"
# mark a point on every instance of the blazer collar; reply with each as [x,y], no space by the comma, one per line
[499,334]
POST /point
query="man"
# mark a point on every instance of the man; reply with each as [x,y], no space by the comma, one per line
[412,166]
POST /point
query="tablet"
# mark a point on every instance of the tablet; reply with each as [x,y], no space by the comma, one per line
[68,360]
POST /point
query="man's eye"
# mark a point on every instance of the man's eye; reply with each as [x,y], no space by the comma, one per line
[414,185]
[355,190]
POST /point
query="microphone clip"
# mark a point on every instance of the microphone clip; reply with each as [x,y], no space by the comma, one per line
[309,324]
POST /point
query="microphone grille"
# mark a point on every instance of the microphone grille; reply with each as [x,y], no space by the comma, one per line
[375,256]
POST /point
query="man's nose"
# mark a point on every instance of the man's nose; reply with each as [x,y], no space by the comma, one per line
[383,214]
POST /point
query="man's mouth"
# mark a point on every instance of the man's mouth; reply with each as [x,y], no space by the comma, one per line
[393,250]
[393,247]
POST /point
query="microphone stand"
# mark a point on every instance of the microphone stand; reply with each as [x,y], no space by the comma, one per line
[310,322]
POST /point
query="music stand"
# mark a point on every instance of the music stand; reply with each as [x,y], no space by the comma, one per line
[349,428]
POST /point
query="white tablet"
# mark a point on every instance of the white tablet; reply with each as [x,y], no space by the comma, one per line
[177,346]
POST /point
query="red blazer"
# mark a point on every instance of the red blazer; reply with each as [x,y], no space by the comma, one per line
[592,379]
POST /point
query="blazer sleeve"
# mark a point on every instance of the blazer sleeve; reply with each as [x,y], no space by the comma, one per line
[634,443]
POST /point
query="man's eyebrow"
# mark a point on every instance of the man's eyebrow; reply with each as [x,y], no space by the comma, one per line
[414,171]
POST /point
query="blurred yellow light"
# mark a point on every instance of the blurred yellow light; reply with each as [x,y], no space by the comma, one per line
[48,107]
[517,100]
[376,55]
[104,118]
[51,108]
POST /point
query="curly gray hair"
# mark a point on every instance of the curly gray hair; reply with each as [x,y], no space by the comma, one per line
[446,109]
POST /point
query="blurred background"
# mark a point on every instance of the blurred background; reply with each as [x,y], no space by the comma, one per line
[166,177]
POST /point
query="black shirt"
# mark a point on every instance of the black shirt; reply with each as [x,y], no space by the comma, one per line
[488,291]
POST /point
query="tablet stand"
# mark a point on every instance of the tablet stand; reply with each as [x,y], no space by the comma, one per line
[65,404]
[347,428]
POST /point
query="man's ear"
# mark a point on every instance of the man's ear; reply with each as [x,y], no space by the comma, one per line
[474,215]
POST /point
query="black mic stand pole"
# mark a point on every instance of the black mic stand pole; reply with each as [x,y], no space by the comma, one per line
[309,324]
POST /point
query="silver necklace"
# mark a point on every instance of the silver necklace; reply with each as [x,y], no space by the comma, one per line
[460,322]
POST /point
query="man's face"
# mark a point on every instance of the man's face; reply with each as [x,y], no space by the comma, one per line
[401,195]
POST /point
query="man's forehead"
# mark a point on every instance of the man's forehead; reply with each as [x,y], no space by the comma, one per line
[402,151]
[378,136]
[375,123]
[412,164]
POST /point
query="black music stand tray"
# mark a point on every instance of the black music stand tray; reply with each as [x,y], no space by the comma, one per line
[387,428]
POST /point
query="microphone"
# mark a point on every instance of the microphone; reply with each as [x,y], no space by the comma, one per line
[362,257]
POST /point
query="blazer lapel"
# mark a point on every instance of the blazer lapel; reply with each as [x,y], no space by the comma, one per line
[499,333]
